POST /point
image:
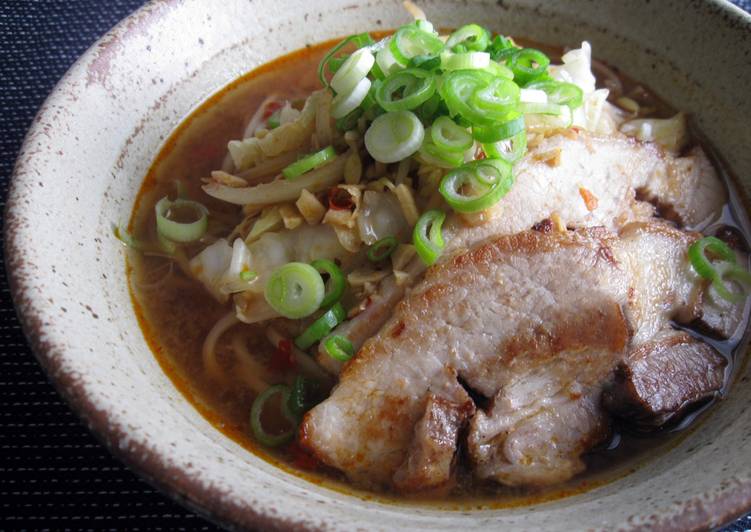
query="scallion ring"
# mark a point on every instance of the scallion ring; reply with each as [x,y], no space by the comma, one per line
[382,249]
[427,236]
[527,65]
[471,36]
[359,40]
[476,186]
[560,92]
[300,397]
[465,61]
[176,231]
[414,86]
[339,348]
[501,47]
[728,271]
[440,157]
[457,90]
[321,327]
[498,100]
[499,70]
[308,163]
[446,134]
[410,41]
[498,131]
[335,284]
[271,440]
[346,102]
[510,150]
[353,71]
[295,290]
[697,254]
[394,136]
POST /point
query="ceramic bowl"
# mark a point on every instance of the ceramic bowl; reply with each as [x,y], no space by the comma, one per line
[96,135]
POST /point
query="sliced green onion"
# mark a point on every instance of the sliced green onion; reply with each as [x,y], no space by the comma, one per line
[426,62]
[560,92]
[339,348]
[698,257]
[727,271]
[353,71]
[321,327]
[501,47]
[499,70]
[295,290]
[432,154]
[498,131]
[271,440]
[427,236]
[510,150]
[425,25]
[414,85]
[359,40]
[471,36]
[386,63]
[178,231]
[477,186]
[410,41]
[346,102]
[382,249]
[457,90]
[718,273]
[335,284]
[498,100]
[247,275]
[429,109]
[311,162]
[465,61]
[447,135]
[394,136]
[300,400]
[527,65]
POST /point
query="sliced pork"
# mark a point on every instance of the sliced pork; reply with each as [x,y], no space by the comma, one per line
[662,377]
[583,180]
[431,453]
[535,322]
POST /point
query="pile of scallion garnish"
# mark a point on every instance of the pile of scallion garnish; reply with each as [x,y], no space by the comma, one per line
[457,103]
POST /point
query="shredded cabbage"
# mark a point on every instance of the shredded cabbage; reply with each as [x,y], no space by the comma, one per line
[670,133]
[210,265]
[595,114]
[289,135]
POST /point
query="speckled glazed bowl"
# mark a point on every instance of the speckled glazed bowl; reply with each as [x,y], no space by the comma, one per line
[96,136]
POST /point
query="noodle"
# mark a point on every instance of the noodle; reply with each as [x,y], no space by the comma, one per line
[208,351]
[305,362]
[249,370]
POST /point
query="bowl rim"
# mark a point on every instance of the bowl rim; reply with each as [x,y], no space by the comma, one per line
[138,457]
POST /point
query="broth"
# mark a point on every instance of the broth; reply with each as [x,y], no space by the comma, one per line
[176,312]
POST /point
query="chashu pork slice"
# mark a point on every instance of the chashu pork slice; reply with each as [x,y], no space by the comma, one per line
[534,321]
[586,180]
[529,320]
[661,378]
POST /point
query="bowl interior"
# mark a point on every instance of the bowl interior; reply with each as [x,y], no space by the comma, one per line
[96,136]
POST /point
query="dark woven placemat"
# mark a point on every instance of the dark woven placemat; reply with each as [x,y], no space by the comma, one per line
[53,473]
